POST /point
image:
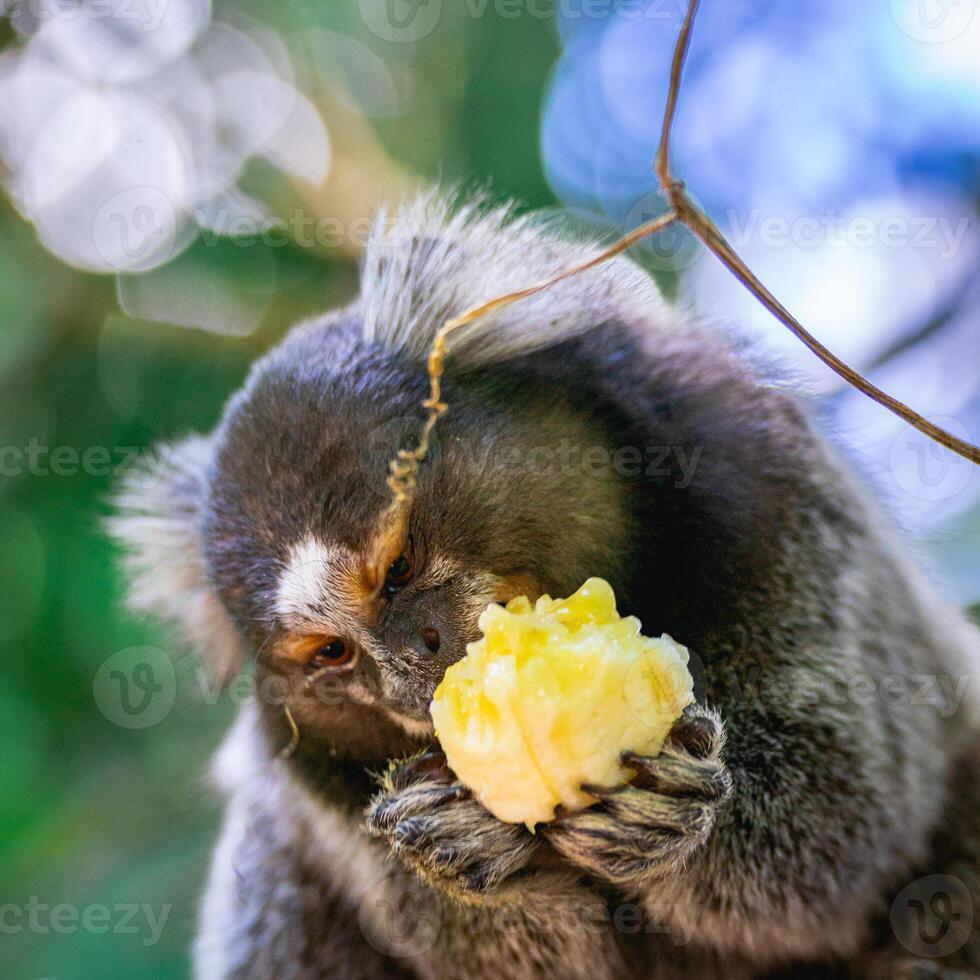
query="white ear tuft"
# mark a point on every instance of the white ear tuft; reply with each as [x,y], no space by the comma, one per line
[158,525]
[431,260]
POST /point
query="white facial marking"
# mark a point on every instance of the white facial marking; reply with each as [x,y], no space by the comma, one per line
[416,727]
[316,590]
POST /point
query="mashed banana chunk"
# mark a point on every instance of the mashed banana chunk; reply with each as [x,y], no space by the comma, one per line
[551,696]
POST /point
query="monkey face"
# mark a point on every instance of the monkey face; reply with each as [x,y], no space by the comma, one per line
[375,627]
[360,618]
[268,541]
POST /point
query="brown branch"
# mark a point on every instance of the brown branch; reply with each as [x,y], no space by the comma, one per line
[705,230]
[403,470]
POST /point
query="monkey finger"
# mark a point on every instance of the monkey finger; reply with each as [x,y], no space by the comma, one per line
[474,852]
[388,809]
[601,846]
[460,841]
[698,731]
[675,773]
[644,810]
[430,766]
[507,856]
[601,792]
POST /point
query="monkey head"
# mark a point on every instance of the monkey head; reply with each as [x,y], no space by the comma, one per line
[269,543]
[282,551]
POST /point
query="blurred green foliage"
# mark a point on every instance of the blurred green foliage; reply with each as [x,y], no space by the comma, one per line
[92,813]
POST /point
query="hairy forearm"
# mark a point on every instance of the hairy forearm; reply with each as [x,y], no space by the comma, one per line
[800,850]
[543,925]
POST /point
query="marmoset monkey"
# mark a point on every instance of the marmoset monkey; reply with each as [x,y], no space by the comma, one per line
[817,813]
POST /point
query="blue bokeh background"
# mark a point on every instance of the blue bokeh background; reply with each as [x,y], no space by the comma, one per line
[837,146]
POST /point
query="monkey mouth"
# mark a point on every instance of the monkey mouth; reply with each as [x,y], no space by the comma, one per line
[411,714]
[416,724]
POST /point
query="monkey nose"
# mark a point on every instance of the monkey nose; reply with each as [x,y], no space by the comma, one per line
[430,637]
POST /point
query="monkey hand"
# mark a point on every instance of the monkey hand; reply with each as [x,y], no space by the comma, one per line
[436,827]
[648,829]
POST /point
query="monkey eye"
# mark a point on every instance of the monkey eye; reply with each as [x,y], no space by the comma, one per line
[399,573]
[332,654]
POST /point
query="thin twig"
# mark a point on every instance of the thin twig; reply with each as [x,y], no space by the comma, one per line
[290,748]
[705,230]
[662,163]
[403,470]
